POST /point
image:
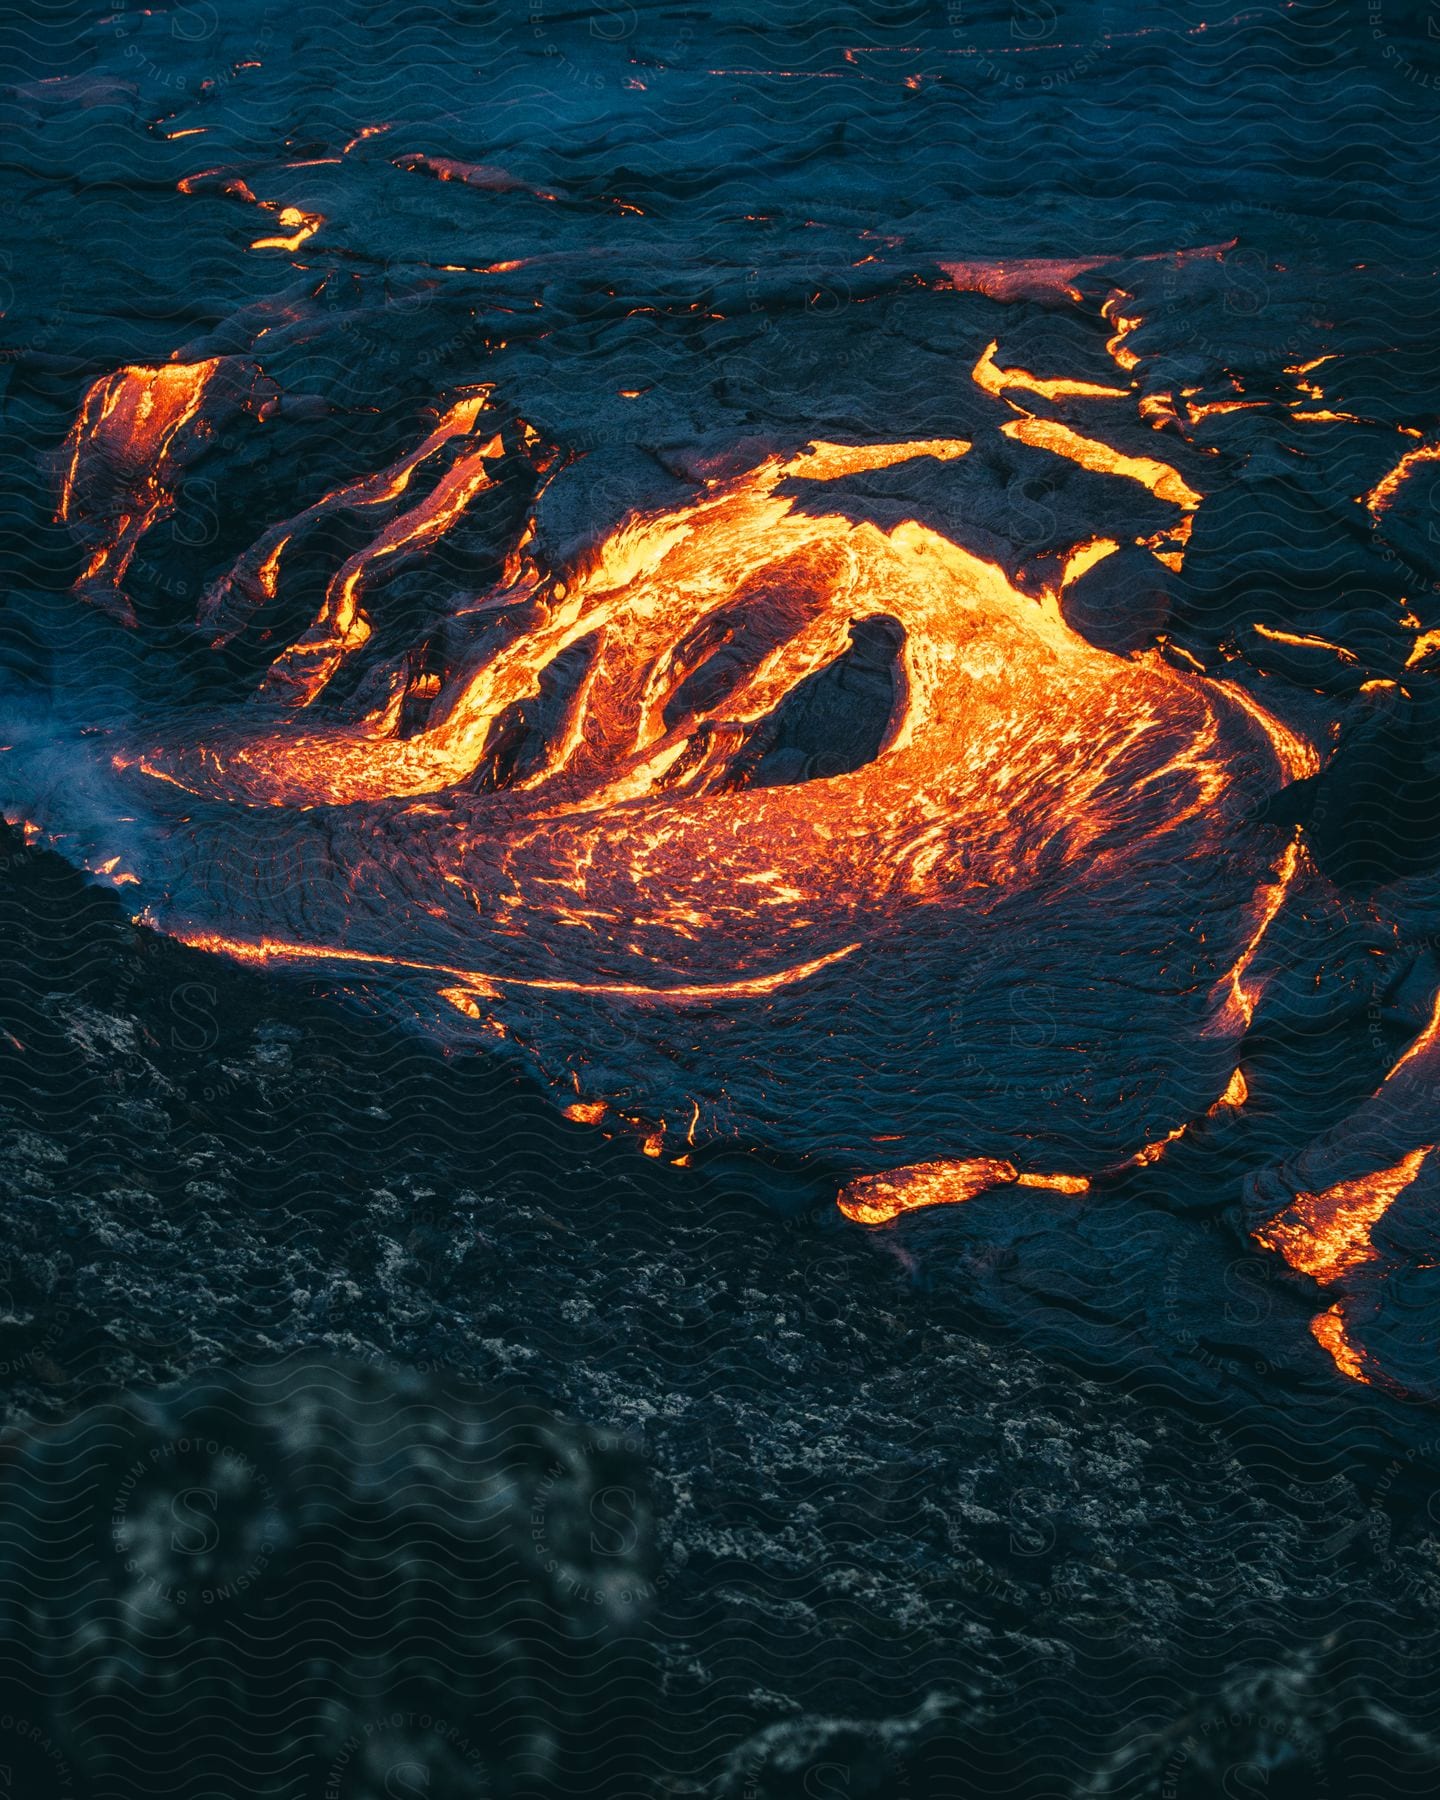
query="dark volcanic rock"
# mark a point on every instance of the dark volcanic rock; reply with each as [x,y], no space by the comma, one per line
[1269,550]
[875,1757]
[316,1579]
[837,719]
[1121,604]
[1375,813]
[1303,1727]
[869,1490]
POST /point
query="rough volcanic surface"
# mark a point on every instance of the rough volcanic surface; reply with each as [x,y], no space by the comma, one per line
[725,720]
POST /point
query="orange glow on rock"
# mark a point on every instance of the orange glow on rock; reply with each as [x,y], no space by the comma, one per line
[227,602]
[993,380]
[302,226]
[125,455]
[1084,557]
[1326,1235]
[1425,1039]
[1048,277]
[875,1199]
[1120,355]
[1243,999]
[586,1112]
[1425,644]
[1295,757]
[480,175]
[304,669]
[1304,641]
[579,779]
[1048,434]
[1329,1330]
[1385,490]
[475,984]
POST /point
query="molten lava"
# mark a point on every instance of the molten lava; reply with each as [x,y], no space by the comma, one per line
[1382,495]
[1048,434]
[725,823]
[872,1199]
[761,818]
[1326,1235]
[135,433]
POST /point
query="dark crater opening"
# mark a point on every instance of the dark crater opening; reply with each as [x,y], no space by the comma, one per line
[834,721]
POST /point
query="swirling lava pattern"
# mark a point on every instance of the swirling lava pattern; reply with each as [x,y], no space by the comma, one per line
[765,825]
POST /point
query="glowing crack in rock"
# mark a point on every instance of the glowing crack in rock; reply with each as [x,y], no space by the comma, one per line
[1382,495]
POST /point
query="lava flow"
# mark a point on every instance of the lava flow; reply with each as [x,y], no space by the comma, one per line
[791,806]
[760,824]
[136,432]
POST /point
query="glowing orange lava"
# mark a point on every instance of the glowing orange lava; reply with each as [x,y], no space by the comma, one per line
[133,423]
[1385,490]
[1326,1228]
[301,226]
[228,602]
[1326,1235]
[993,380]
[1330,1332]
[875,1199]
[1163,481]
[588,820]
[1304,640]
